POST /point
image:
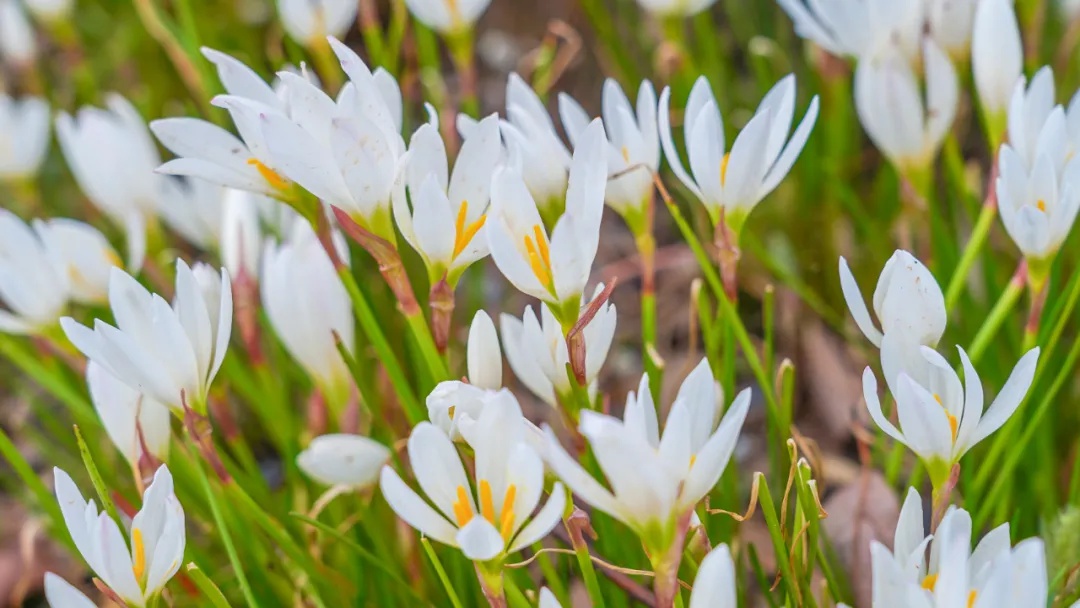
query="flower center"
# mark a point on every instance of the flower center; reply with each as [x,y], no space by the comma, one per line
[723,168]
[138,558]
[463,234]
[1041,205]
[505,523]
[953,422]
[271,176]
[930,581]
[536,245]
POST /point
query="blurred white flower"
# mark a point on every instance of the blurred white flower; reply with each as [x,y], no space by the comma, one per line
[113,158]
[18,42]
[536,350]
[942,418]
[50,10]
[309,22]
[343,459]
[442,214]
[535,149]
[157,538]
[735,181]
[997,58]
[24,135]
[1030,109]
[447,16]
[246,215]
[494,519]
[44,267]
[675,8]
[131,420]
[61,594]
[656,480]
[854,28]
[634,143]
[905,126]
[161,351]
[1070,9]
[994,575]
[193,208]
[951,23]
[554,269]
[483,356]
[306,305]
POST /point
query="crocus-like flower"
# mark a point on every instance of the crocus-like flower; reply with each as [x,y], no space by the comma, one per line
[1039,203]
[307,304]
[634,154]
[113,157]
[856,28]
[951,23]
[735,181]
[889,100]
[44,267]
[656,480]
[131,420]
[441,200]
[157,538]
[942,418]
[245,215]
[24,136]
[167,353]
[61,594]
[447,16]
[18,44]
[994,574]
[487,520]
[193,208]
[483,356]
[909,306]
[1029,110]
[997,58]
[536,350]
[309,22]
[675,8]
[343,459]
[554,269]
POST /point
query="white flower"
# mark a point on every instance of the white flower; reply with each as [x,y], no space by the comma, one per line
[61,594]
[209,152]
[161,351]
[951,23]
[18,43]
[634,154]
[193,208]
[447,16]
[306,305]
[245,217]
[853,28]
[442,216]
[343,459]
[24,135]
[1039,202]
[536,350]
[50,10]
[131,420]
[492,518]
[1070,9]
[1029,110]
[483,356]
[554,269]
[761,156]
[534,147]
[157,538]
[675,8]
[310,21]
[655,480]
[113,157]
[907,128]
[942,418]
[997,55]
[994,574]
[44,267]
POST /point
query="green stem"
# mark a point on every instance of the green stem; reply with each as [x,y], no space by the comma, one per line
[226,539]
[95,478]
[426,341]
[993,321]
[588,573]
[209,590]
[441,572]
[974,245]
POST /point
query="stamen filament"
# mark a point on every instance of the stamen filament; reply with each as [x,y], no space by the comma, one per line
[138,557]
[487,506]
[463,235]
[462,509]
[506,520]
[271,176]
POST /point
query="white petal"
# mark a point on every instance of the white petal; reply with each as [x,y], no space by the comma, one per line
[413,510]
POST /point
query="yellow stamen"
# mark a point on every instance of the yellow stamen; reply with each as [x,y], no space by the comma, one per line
[693,459]
[539,256]
[271,176]
[929,582]
[462,509]
[954,424]
[723,168]
[463,234]
[625,154]
[138,558]
[971,598]
[487,506]
[1041,204]
[451,410]
[506,520]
